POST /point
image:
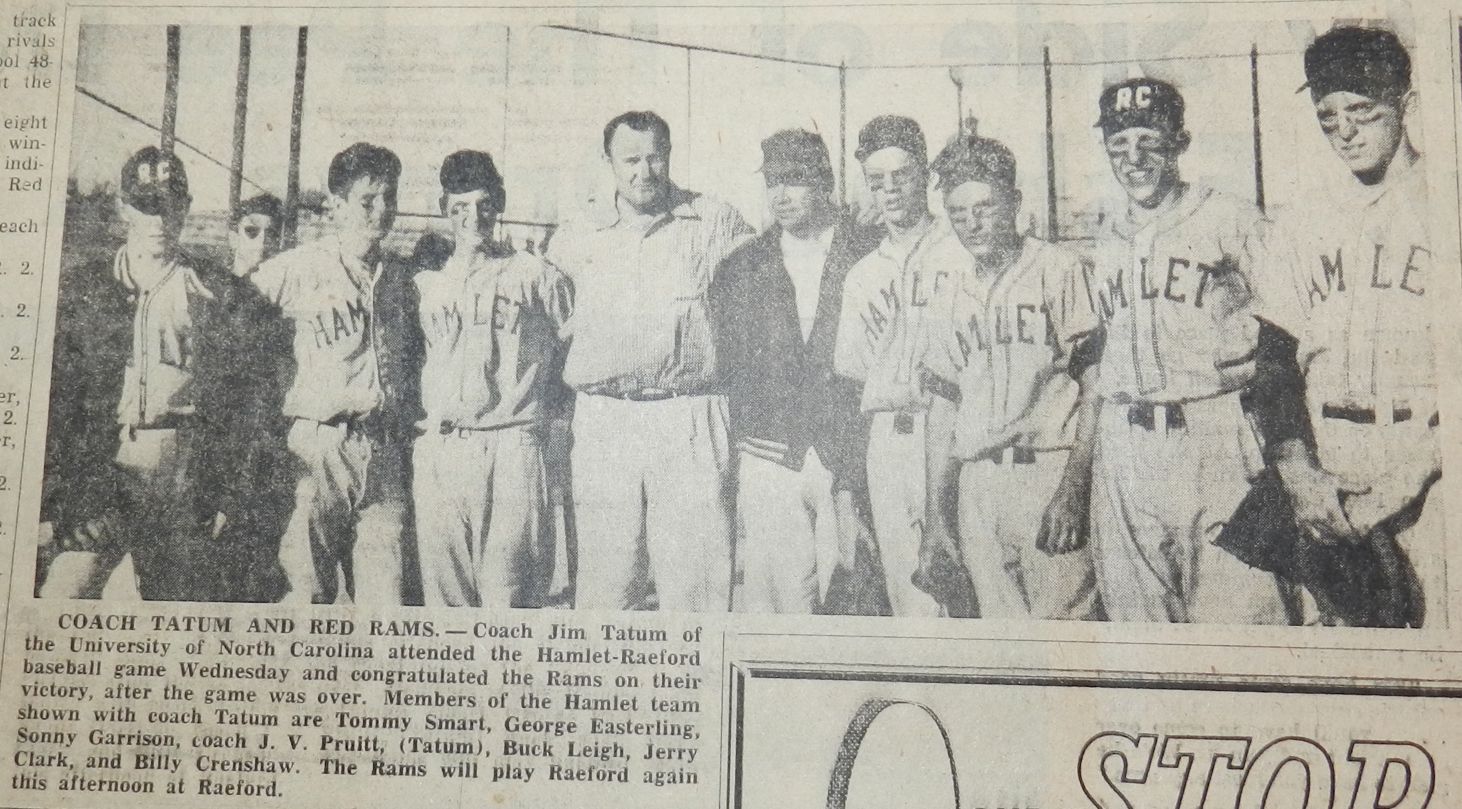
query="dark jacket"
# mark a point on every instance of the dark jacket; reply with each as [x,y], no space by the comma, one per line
[782,388]
[233,366]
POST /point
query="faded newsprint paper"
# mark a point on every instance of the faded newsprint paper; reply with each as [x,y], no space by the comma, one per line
[982,406]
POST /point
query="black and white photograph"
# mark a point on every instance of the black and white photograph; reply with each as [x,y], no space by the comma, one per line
[615,310]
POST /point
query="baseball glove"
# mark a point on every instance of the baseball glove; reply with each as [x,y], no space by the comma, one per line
[948,581]
[1369,583]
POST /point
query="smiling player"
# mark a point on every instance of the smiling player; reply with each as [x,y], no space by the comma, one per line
[1173,451]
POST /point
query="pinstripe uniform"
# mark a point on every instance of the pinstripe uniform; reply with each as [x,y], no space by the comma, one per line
[490,324]
[1002,342]
[885,299]
[354,330]
[1357,301]
[1174,450]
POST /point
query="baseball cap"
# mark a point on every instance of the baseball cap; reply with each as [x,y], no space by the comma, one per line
[892,131]
[975,159]
[1150,103]
[796,154]
[154,183]
[1367,61]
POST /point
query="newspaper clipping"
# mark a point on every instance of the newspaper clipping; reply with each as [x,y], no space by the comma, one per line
[764,406]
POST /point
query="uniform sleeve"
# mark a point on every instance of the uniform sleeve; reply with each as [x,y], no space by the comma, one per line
[1277,277]
[555,293]
[937,340]
[272,279]
[1069,303]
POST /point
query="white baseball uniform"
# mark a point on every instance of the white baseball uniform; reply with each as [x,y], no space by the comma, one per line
[490,323]
[651,456]
[155,460]
[1003,343]
[1175,451]
[1358,305]
[885,298]
[354,330]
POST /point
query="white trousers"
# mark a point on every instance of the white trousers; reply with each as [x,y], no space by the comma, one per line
[1000,510]
[480,517]
[897,481]
[1159,498]
[349,518]
[790,533]
[1369,454]
[652,503]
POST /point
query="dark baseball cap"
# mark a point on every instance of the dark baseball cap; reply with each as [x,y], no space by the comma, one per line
[797,155]
[887,131]
[1149,103]
[1366,61]
[975,159]
[154,183]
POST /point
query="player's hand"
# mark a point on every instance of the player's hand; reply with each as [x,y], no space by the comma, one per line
[93,535]
[937,549]
[215,525]
[1319,498]
[1064,524]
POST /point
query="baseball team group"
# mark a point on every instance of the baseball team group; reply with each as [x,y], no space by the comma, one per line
[1207,414]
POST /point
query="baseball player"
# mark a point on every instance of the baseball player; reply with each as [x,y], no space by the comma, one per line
[353,398]
[799,434]
[1359,308]
[882,307]
[1172,283]
[1003,416]
[490,319]
[651,456]
[141,494]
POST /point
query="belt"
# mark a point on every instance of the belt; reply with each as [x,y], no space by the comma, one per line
[1363,415]
[903,421]
[1018,456]
[640,394]
[168,421]
[448,428]
[1146,415]
[367,424]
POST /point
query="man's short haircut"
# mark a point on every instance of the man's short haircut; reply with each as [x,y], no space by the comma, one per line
[470,170]
[266,204]
[363,160]
[640,121]
[975,159]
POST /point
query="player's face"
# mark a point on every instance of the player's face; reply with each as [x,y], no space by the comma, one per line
[367,209]
[472,216]
[252,241]
[983,217]
[641,167]
[1145,162]
[899,184]
[1364,132]
[795,202]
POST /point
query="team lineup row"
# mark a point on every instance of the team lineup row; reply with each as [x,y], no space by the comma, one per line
[1208,416]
